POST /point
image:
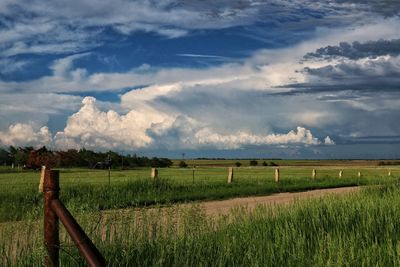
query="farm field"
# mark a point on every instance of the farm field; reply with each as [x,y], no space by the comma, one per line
[85,190]
[337,231]
[287,162]
[360,229]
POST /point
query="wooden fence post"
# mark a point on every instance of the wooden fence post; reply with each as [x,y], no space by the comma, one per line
[276,175]
[230,175]
[314,174]
[42,179]
[389,173]
[340,174]
[154,173]
[51,239]
[359,174]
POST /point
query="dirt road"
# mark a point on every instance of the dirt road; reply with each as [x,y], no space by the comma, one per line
[223,206]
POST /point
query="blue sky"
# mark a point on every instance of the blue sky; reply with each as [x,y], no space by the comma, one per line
[245,78]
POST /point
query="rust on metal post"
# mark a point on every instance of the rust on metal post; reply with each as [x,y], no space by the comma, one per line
[87,249]
[51,239]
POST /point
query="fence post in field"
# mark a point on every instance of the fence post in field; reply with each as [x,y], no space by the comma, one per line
[314,174]
[42,179]
[154,173]
[340,174]
[359,174]
[193,175]
[230,175]
[51,239]
[389,173]
[276,175]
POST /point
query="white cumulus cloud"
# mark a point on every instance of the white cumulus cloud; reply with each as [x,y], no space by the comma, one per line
[21,134]
[147,127]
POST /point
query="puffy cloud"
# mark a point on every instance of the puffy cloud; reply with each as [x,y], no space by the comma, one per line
[328,141]
[188,133]
[92,128]
[148,128]
[20,134]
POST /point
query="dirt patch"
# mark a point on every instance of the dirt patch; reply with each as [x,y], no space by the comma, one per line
[223,206]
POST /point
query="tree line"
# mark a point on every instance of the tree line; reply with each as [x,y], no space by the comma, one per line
[29,157]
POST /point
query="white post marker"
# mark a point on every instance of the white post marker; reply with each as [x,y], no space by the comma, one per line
[154,173]
[390,173]
[230,175]
[314,174]
[42,179]
[276,175]
[359,174]
[340,174]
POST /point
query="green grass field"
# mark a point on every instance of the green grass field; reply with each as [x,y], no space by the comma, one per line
[89,190]
[361,229]
[327,232]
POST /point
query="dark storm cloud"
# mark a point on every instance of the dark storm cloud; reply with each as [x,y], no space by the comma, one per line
[357,50]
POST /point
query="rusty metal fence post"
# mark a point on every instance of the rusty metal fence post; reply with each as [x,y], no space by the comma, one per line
[51,237]
[54,210]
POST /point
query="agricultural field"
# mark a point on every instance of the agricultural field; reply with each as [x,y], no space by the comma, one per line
[92,190]
[332,231]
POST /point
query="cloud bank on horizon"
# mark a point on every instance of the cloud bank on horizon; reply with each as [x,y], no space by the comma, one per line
[288,78]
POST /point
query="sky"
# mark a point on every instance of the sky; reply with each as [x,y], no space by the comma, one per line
[234,79]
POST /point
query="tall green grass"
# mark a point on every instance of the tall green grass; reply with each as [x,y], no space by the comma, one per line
[361,229]
[86,190]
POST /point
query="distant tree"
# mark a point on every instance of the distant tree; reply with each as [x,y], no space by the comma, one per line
[182,164]
[161,162]
[253,162]
[5,157]
[273,164]
[21,156]
[238,164]
[265,163]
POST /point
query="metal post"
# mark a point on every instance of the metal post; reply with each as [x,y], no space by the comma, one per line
[86,247]
[51,239]
[193,174]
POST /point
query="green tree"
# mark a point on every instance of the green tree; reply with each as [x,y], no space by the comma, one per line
[253,162]
[182,164]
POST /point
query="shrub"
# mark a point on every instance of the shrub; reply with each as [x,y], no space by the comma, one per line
[253,163]
[182,164]
[238,164]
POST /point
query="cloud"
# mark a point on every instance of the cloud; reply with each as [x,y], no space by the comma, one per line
[380,73]
[35,107]
[20,134]
[328,141]
[384,7]
[252,102]
[9,65]
[357,50]
[54,27]
[148,128]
